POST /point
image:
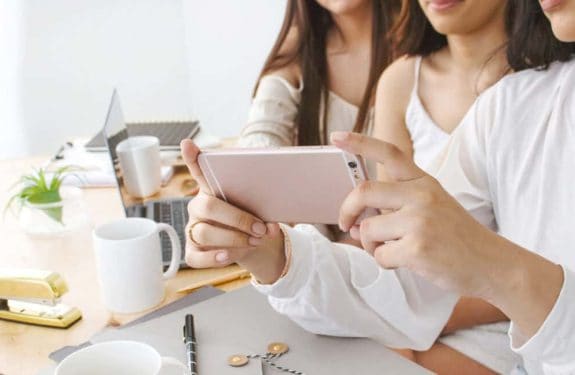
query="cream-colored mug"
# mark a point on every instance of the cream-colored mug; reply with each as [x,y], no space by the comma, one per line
[129,261]
[139,159]
[119,357]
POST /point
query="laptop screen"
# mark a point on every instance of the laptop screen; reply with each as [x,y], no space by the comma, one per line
[115,127]
[176,182]
[114,132]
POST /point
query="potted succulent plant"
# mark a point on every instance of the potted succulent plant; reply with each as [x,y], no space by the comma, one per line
[40,203]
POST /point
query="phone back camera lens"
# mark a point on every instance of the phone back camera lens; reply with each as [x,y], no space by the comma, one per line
[352,164]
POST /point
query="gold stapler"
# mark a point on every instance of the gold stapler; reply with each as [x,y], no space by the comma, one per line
[33,297]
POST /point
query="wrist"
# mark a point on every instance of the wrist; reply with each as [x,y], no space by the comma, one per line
[525,287]
[470,312]
[267,262]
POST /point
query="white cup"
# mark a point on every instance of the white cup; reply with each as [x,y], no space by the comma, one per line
[140,163]
[129,261]
[119,357]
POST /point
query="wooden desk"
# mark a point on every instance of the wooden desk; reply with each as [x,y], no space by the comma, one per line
[24,348]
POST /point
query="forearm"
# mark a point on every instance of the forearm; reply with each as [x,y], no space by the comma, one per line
[470,312]
[539,298]
[340,290]
[525,286]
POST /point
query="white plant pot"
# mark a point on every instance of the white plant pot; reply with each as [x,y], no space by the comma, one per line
[57,218]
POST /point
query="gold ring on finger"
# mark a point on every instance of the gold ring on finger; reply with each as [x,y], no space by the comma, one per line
[191,234]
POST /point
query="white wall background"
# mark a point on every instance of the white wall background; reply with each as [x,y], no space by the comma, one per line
[12,138]
[170,59]
[227,43]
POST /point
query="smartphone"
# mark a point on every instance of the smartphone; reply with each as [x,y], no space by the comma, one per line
[305,184]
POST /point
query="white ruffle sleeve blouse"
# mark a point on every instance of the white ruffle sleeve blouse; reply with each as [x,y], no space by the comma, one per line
[511,164]
[272,115]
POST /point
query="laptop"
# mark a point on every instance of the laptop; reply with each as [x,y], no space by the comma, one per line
[171,211]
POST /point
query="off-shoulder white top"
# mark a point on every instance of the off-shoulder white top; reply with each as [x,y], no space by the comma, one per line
[271,119]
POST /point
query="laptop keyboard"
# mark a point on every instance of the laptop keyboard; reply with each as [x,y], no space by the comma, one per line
[174,213]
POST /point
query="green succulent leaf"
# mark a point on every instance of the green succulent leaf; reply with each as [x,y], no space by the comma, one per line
[38,188]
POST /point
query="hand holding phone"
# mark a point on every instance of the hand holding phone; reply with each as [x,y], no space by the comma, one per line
[219,233]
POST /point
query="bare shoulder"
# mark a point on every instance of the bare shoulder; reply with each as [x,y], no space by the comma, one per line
[292,71]
[392,98]
[396,82]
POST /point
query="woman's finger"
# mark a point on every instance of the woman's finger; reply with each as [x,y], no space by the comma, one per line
[398,166]
[391,255]
[375,230]
[211,209]
[197,258]
[203,234]
[374,194]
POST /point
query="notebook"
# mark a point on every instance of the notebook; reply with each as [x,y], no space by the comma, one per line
[242,322]
[170,133]
[199,295]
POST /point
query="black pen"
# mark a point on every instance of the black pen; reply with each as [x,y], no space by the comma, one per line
[190,342]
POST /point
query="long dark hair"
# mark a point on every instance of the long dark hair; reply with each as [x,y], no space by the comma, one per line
[531,41]
[311,22]
[413,34]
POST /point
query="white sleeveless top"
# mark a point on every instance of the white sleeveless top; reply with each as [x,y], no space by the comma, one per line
[427,137]
[487,344]
[271,119]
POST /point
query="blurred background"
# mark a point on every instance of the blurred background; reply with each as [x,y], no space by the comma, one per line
[169,59]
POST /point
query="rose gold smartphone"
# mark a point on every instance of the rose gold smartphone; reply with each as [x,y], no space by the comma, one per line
[288,184]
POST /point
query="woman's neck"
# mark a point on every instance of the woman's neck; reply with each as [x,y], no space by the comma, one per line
[480,55]
[353,29]
[470,52]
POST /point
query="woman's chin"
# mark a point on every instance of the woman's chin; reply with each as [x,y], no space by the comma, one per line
[564,30]
[562,21]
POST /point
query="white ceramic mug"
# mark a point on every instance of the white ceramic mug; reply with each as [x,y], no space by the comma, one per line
[119,357]
[129,261]
[140,163]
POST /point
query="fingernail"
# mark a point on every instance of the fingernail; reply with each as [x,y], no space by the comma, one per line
[338,136]
[259,228]
[222,257]
[254,241]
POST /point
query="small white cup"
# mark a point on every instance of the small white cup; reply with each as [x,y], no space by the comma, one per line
[140,163]
[129,260]
[119,357]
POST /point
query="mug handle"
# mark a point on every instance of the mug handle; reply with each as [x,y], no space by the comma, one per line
[176,250]
[171,361]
